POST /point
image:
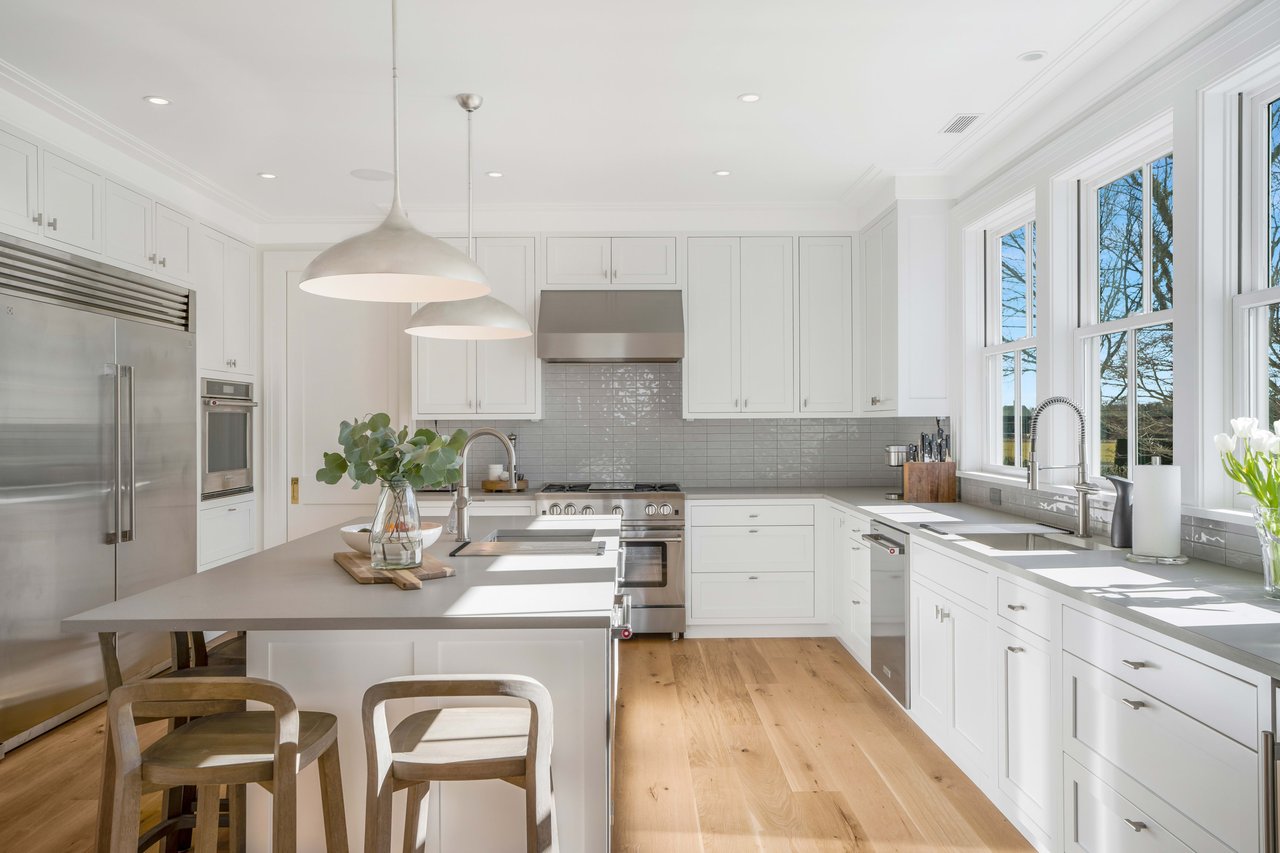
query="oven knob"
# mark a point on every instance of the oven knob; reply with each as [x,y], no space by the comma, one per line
[570,509]
[650,509]
[665,509]
[587,510]
[617,510]
[554,509]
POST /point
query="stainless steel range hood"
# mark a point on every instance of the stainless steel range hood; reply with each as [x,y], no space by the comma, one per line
[611,325]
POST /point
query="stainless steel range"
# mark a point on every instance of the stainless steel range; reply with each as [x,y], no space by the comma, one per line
[652,571]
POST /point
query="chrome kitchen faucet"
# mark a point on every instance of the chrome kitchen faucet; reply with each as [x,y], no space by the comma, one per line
[1084,489]
[462,498]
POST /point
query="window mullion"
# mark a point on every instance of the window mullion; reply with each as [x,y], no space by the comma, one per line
[1147,198]
[1131,427]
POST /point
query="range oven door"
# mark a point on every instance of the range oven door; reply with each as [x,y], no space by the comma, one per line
[653,568]
[226,457]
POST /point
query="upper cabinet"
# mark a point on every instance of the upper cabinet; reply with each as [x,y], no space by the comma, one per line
[226,299]
[496,379]
[825,341]
[739,326]
[904,311]
[175,241]
[70,203]
[19,202]
[141,233]
[744,338]
[607,261]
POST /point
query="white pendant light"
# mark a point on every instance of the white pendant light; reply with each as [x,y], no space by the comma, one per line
[394,262]
[483,318]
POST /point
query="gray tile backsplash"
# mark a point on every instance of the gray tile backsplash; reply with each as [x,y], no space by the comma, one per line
[622,422]
[1204,538]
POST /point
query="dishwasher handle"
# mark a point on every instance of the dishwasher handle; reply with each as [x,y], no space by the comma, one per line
[881,541]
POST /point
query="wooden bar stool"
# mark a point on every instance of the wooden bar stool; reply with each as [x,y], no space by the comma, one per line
[454,744]
[232,748]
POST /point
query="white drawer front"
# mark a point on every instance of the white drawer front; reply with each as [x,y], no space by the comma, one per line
[741,516]
[746,549]
[965,580]
[1211,696]
[753,595]
[1205,775]
[1024,607]
[1099,820]
[225,532]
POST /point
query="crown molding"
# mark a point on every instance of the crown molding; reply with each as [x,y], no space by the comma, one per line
[18,82]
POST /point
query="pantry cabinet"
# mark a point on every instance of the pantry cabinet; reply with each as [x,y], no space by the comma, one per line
[223,270]
[740,326]
[621,261]
[19,171]
[496,379]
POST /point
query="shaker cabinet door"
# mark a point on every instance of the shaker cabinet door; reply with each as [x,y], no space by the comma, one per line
[72,197]
[127,227]
[767,318]
[826,325]
[507,371]
[19,166]
[711,346]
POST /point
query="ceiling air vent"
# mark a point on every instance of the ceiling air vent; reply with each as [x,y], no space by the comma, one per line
[960,122]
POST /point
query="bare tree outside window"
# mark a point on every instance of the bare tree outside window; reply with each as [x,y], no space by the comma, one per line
[1015,367]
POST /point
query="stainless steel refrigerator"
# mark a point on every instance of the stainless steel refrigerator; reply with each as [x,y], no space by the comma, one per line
[98,469]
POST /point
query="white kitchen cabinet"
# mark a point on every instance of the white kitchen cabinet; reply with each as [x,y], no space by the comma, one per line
[952,688]
[19,184]
[226,532]
[766,315]
[741,549]
[621,261]
[825,339]
[225,302]
[740,326]
[771,596]
[71,202]
[1028,749]
[496,379]
[175,242]
[1099,820]
[127,227]
[904,311]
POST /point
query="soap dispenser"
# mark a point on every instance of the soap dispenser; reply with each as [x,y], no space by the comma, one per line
[1122,514]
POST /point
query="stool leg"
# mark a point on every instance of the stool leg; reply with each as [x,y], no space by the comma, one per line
[126,808]
[107,793]
[208,804]
[335,814]
[415,819]
[236,814]
[541,833]
[377,815]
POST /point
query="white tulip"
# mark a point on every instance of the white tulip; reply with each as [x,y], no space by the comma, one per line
[1225,443]
[1244,427]
[1275,427]
[1264,441]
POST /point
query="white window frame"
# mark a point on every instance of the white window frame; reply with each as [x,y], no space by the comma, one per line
[994,347]
[1088,326]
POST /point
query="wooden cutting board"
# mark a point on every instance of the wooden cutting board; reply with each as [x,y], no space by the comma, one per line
[362,571]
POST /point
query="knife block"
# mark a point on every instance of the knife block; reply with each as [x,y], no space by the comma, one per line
[929,482]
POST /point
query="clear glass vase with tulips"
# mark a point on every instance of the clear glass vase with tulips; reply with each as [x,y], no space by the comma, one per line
[1251,456]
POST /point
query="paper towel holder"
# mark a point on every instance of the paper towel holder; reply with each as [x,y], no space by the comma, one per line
[1177,560]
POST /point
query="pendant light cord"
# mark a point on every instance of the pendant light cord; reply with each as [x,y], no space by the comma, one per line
[471,240]
[395,115]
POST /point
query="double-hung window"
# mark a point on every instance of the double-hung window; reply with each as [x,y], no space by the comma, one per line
[1257,299]
[1010,352]
[1126,313]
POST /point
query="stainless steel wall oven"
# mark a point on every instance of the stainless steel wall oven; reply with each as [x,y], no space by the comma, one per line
[226,446]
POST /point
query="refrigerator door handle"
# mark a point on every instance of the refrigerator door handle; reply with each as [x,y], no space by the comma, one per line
[127,534]
[117,520]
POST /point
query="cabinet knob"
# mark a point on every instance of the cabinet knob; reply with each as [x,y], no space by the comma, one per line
[53,224]
[164,262]
[745,402]
[615,274]
[1135,825]
[152,257]
[1135,704]
[805,404]
[735,402]
[875,401]
[38,219]
[945,615]
[1134,664]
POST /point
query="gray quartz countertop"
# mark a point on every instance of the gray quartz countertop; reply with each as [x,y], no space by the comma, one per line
[298,586]
[1213,607]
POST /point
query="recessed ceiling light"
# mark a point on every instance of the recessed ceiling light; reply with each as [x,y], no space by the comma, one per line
[267,176]
[372,174]
[494,174]
[1032,56]
[722,173]
[157,100]
[748,97]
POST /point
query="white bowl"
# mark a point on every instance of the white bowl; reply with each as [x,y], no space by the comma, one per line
[357,535]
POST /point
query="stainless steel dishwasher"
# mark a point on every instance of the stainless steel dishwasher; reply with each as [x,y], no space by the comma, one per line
[890,606]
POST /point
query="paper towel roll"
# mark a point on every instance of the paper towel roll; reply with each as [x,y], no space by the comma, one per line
[1157,510]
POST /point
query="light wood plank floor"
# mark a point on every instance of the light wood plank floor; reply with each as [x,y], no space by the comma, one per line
[781,745]
[723,745]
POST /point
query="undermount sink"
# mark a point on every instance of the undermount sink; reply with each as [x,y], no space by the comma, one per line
[512,542]
[1029,542]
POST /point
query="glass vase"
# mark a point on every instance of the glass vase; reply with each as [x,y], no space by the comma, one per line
[1267,521]
[395,538]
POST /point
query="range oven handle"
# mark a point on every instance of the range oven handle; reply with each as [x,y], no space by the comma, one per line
[880,541]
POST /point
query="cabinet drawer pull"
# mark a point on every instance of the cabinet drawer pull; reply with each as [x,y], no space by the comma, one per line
[615,275]
[1134,664]
[1135,825]
[752,578]
[856,601]
[757,515]
[152,257]
[38,219]
[753,531]
[1135,704]
[1017,650]
[53,224]
[1016,607]
[945,614]
[164,262]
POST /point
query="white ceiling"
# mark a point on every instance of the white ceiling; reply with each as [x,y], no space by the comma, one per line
[587,102]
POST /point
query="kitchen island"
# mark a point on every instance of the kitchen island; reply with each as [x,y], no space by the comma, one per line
[326,638]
